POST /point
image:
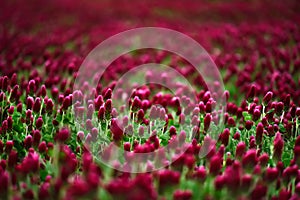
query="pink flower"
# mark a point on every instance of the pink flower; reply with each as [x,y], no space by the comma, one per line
[62,135]
[278,147]
[117,132]
[182,195]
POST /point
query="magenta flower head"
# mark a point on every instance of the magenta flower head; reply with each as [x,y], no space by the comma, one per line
[31,88]
[215,165]
[4,184]
[11,110]
[108,108]
[225,137]
[259,133]
[259,192]
[36,137]
[1,147]
[4,126]
[237,136]
[101,113]
[9,145]
[140,115]
[263,159]
[248,124]
[12,159]
[15,93]
[219,182]
[117,132]
[240,149]
[182,195]
[287,102]
[39,123]
[246,182]
[90,111]
[28,141]
[167,178]
[29,102]
[278,147]
[42,147]
[250,159]
[172,131]
[30,163]
[231,122]
[200,173]
[271,174]
[136,104]
[66,103]
[279,108]
[251,93]
[141,131]
[98,102]
[207,120]
[256,114]
[37,105]
[107,94]
[154,113]
[43,91]
[267,98]
[19,107]
[62,135]
[49,106]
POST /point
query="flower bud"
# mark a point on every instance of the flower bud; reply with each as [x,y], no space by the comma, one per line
[98,102]
[248,124]
[29,102]
[31,88]
[127,146]
[36,137]
[251,93]
[256,115]
[263,159]
[101,113]
[140,115]
[240,149]
[271,174]
[259,133]
[219,182]
[12,159]
[207,120]
[278,147]
[172,131]
[231,122]
[249,159]
[259,192]
[28,141]
[62,135]
[66,103]
[141,131]
[49,106]
[279,108]
[39,123]
[136,104]
[9,146]
[267,98]
[108,108]
[117,132]
[225,137]
[90,111]
[108,94]
[42,147]
[182,194]
[37,105]
[215,165]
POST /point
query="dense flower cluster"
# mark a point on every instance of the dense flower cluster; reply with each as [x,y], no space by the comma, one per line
[49,133]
